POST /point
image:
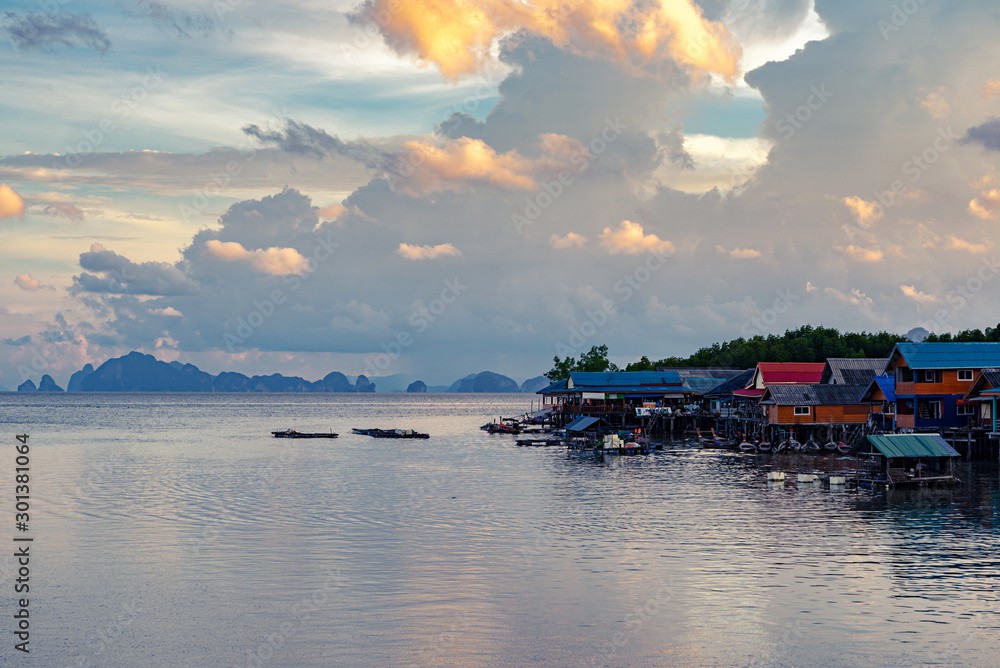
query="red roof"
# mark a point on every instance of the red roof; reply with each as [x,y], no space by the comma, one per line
[790,373]
[749,392]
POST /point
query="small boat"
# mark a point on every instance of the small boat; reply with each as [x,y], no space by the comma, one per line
[746,446]
[830,446]
[714,443]
[500,428]
[294,433]
[843,448]
[764,446]
[812,446]
[390,433]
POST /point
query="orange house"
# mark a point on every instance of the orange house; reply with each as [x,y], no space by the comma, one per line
[814,404]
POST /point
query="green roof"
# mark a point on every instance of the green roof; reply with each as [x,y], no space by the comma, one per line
[912,445]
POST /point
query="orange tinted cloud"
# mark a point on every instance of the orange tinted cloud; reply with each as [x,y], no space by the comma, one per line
[865,212]
[275,261]
[991,89]
[458,35]
[571,240]
[456,163]
[11,203]
[987,205]
[630,239]
[411,252]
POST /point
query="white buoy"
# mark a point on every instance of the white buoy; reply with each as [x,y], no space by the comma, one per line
[776,475]
[808,477]
[838,480]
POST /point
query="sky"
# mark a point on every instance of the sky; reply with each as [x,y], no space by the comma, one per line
[441,187]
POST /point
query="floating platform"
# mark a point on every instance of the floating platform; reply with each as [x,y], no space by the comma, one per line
[390,433]
[539,442]
[292,433]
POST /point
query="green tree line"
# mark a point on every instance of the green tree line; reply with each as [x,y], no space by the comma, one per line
[805,344]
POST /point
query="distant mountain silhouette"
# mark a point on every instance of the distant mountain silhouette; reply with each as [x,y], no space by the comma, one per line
[137,372]
[532,385]
[486,381]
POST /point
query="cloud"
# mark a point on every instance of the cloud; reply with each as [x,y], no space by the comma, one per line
[302,139]
[456,164]
[37,30]
[862,254]
[275,261]
[856,297]
[987,205]
[629,239]
[917,296]
[426,252]
[864,212]
[22,341]
[171,19]
[29,284]
[671,145]
[458,35]
[936,105]
[11,204]
[955,243]
[986,135]
[738,253]
[991,89]
[169,312]
[122,276]
[571,240]
[64,210]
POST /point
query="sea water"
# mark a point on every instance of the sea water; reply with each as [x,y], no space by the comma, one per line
[173,530]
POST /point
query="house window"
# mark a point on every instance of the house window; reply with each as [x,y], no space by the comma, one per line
[905,375]
[801,410]
[968,409]
[965,374]
[890,409]
[930,376]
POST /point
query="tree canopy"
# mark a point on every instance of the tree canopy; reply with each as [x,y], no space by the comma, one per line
[594,360]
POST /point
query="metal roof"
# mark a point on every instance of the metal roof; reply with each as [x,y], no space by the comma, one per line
[749,392]
[986,382]
[813,395]
[885,383]
[800,373]
[912,445]
[685,372]
[733,384]
[703,385]
[852,370]
[558,386]
[948,355]
[624,378]
[582,423]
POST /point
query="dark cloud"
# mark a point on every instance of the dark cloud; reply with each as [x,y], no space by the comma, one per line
[302,139]
[63,210]
[458,125]
[37,30]
[672,147]
[23,341]
[171,19]
[986,135]
[119,275]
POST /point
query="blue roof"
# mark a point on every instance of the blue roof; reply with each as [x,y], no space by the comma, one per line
[624,378]
[912,445]
[649,382]
[948,355]
[885,383]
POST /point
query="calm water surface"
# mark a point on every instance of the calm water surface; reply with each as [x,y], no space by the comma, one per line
[172,530]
